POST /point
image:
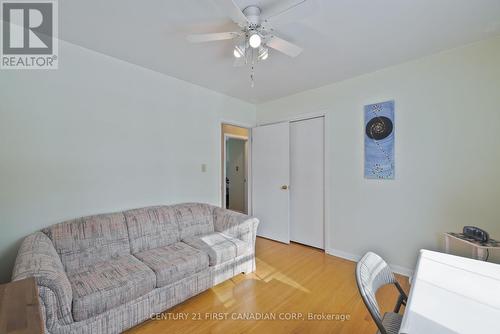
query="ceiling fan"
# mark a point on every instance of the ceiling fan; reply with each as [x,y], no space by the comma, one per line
[256,34]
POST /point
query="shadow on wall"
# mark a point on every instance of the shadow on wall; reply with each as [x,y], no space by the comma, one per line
[8,257]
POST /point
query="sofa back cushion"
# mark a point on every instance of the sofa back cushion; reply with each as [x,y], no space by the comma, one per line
[194,218]
[151,227]
[85,241]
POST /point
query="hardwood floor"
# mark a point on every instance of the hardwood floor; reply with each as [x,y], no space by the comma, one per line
[291,280]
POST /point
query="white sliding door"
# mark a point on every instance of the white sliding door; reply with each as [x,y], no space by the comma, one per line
[307,182]
[271,177]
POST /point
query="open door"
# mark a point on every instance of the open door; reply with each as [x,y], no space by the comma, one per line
[271,179]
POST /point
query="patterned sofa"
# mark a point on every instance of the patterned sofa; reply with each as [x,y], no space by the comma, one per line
[109,272]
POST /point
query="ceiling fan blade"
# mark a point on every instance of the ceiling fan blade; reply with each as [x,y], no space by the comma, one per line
[284,46]
[231,9]
[280,8]
[218,36]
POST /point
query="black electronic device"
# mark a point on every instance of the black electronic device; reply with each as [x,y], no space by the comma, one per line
[476,233]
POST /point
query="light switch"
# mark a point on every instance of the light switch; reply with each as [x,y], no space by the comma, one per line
[203,168]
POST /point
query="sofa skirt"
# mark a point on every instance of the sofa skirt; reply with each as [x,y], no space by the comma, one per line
[158,300]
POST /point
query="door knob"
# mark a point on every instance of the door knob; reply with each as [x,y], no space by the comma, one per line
[284,187]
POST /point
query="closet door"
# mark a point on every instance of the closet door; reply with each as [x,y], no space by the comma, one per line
[307,182]
[271,177]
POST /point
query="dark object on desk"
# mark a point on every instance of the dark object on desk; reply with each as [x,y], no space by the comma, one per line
[20,308]
[476,233]
[492,243]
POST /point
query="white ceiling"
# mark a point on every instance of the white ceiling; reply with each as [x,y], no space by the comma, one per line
[341,38]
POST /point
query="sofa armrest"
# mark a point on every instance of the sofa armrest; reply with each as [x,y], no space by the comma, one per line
[236,225]
[38,258]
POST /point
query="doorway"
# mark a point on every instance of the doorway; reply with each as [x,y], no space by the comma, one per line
[235,168]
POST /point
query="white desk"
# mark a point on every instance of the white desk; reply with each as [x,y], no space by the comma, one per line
[452,294]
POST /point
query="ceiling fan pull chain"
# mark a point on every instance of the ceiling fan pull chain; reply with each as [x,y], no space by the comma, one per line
[252,67]
[252,81]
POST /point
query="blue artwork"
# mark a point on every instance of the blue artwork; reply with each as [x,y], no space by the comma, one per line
[379,140]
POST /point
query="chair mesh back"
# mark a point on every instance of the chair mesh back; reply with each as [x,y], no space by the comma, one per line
[372,272]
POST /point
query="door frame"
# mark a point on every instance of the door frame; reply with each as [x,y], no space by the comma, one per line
[327,223]
[222,154]
[224,171]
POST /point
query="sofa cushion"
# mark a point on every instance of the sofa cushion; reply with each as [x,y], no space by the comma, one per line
[105,285]
[85,241]
[194,218]
[173,262]
[152,227]
[219,247]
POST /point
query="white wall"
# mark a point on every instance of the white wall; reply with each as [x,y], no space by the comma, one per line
[101,135]
[447,152]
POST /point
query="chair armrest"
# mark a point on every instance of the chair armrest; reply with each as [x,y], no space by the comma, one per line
[38,258]
[236,225]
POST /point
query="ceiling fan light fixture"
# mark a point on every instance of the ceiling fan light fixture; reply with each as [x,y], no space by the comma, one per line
[236,53]
[263,53]
[255,40]
[239,51]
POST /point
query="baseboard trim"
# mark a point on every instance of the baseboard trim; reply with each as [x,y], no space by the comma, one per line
[354,257]
[401,270]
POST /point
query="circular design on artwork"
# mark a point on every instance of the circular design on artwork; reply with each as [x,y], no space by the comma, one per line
[379,128]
